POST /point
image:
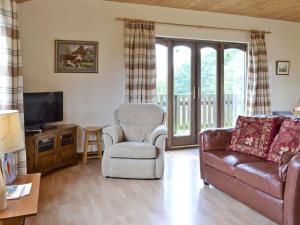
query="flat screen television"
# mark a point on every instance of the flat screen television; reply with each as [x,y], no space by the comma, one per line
[41,108]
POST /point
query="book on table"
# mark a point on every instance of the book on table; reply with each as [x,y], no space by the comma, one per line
[17,191]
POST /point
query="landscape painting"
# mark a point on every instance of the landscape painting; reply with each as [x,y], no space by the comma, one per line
[76,56]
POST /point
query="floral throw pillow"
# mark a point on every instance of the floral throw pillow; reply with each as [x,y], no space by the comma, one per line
[254,135]
[288,139]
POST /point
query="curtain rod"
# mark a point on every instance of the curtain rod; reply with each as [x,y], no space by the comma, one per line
[197,26]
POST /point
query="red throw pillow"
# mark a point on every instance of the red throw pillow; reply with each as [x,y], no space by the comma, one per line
[254,135]
[287,139]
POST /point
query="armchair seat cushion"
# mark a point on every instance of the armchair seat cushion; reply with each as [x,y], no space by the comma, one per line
[133,150]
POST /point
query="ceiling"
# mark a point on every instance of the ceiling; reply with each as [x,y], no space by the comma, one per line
[288,10]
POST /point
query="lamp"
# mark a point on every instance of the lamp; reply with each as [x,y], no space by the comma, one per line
[11,140]
[297,109]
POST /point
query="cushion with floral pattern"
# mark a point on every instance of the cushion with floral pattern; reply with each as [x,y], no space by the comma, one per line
[287,139]
[254,135]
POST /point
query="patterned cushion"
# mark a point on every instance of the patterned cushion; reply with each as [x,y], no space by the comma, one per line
[254,135]
[288,139]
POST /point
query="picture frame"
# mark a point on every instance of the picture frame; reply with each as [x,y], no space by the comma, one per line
[76,56]
[282,67]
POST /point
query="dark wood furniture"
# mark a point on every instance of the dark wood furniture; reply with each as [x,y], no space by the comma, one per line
[51,149]
[17,210]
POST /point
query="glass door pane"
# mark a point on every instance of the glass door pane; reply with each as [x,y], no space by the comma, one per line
[182,90]
[162,75]
[208,101]
[234,85]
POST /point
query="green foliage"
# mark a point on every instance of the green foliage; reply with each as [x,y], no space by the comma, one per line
[182,79]
[234,79]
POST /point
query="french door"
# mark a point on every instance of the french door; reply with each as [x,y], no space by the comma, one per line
[204,85]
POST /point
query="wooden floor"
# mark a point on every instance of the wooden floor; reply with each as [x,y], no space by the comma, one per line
[79,195]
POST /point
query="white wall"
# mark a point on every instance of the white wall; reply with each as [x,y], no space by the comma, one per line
[90,99]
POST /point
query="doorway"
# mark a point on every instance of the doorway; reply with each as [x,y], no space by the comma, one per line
[201,84]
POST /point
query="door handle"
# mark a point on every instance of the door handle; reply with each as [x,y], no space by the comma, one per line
[194,92]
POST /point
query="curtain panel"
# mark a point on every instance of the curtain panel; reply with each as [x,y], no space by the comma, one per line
[140,64]
[11,79]
[258,89]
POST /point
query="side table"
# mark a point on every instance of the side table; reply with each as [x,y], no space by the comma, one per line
[17,210]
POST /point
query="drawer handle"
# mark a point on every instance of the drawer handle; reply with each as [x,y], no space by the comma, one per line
[46,140]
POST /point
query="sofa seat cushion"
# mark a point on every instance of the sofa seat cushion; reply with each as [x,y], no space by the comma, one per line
[133,150]
[226,161]
[262,176]
[287,139]
[254,135]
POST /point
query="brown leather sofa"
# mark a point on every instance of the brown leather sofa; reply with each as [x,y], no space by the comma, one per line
[251,180]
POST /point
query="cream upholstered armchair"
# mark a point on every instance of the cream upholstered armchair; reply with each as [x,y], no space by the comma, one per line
[134,148]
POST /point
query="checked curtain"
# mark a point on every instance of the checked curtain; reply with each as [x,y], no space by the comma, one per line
[258,90]
[11,79]
[140,65]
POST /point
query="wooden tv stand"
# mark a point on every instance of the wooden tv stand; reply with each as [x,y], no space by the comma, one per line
[51,149]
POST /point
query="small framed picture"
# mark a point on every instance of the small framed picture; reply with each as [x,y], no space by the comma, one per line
[76,56]
[282,67]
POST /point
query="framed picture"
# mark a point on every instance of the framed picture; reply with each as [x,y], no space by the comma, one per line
[282,67]
[76,56]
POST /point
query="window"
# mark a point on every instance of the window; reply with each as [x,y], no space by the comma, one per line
[201,84]
[162,75]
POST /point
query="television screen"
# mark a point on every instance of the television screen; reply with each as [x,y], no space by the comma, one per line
[43,107]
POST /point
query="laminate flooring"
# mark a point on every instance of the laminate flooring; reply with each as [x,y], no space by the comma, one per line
[79,195]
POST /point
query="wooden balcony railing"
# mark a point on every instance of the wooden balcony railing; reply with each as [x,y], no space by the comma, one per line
[233,106]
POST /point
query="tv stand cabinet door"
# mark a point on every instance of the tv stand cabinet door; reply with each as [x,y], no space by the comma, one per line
[67,144]
[46,151]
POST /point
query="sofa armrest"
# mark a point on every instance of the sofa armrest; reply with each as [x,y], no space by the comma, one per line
[211,140]
[214,139]
[115,132]
[291,204]
[158,131]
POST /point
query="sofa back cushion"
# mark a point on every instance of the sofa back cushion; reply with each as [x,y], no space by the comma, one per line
[254,135]
[287,139]
[138,120]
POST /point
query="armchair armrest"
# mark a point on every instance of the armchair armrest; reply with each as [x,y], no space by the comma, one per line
[158,131]
[215,139]
[114,132]
[291,204]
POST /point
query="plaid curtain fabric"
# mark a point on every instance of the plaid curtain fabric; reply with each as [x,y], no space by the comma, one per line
[11,80]
[140,65]
[258,96]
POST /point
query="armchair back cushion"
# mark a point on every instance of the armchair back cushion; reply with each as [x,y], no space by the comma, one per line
[138,120]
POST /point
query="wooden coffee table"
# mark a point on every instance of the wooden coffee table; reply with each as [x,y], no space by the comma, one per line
[17,210]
